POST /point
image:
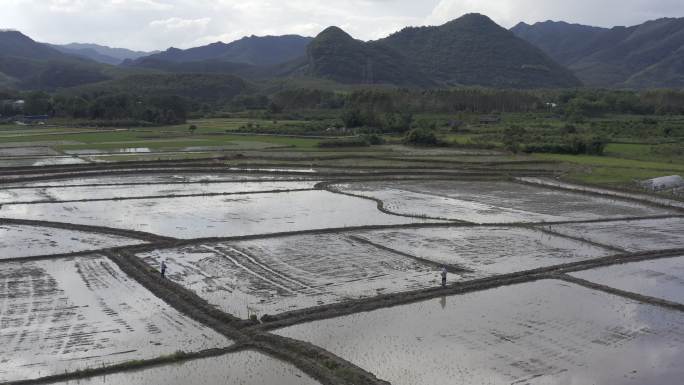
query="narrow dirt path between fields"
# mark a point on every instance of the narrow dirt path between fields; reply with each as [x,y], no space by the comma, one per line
[322,365]
[622,293]
[271,322]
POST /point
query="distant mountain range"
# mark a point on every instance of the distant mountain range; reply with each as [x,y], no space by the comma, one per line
[100,53]
[469,51]
[646,55]
[25,63]
[253,50]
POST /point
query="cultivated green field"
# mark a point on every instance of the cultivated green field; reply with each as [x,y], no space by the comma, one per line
[635,156]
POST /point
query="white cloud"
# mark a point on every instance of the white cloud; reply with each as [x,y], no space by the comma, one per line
[176,23]
[605,13]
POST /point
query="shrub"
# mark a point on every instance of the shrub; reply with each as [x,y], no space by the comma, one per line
[574,146]
[422,137]
[513,138]
[351,142]
[373,139]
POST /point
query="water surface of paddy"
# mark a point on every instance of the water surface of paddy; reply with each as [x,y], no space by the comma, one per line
[241,368]
[138,177]
[274,275]
[487,250]
[660,278]
[113,192]
[494,201]
[216,216]
[72,314]
[19,241]
[637,235]
[546,332]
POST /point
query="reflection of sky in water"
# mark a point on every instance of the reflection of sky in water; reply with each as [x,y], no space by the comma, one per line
[660,278]
[241,368]
[645,197]
[638,235]
[218,215]
[487,250]
[110,192]
[78,313]
[546,332]
[495,202]
[24,241]
[150,177]
[43,161]
[274,275]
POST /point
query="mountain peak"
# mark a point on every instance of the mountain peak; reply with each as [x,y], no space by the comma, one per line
[474,50]
[334,32]
[522,24]
[473,19]
[15,35]
[474,16]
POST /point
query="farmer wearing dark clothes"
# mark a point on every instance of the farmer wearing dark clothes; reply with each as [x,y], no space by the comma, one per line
[444,274]
[163,269]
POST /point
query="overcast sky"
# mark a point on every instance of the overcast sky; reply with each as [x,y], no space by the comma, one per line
[159,24]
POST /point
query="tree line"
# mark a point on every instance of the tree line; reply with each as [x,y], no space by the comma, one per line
[110,108]
[389,109]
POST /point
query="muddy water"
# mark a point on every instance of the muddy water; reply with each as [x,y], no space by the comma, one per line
[271,276]
[621,194]
[44,161]
[641,235]
[295,170]
[127,150]
[487,250]
[242,368]
[152,178]
[79,313]
[18,241]
[193,217]
[546,332]
[111,192]
[662,278]
[494,202]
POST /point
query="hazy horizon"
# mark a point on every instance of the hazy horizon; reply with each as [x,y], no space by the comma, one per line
[149,25]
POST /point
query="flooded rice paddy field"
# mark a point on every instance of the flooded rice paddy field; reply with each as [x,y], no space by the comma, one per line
[72,314]
[494,201]
[241,368]
[118,191]
[636,235]
[274,275]
[620,194]
[42,161]
[546,332]
[486,250]
[143,178]
[60,315]
[19,241]
[662,278]
[216,216]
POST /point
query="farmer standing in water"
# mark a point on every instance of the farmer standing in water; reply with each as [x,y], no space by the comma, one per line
[163,269]
[444,275]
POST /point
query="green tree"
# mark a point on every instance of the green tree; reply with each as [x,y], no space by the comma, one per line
[422,137]
[37,103]
[513,138]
